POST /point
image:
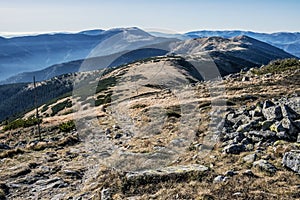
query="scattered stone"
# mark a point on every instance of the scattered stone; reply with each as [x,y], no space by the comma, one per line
[250,158]
[291,160]
[237,194]
[265,166]
[231,173]
[107,131]
[220,179]
[116,127]
[249,173]
[245,79]
[234,149]
[4,146]
[106,194]
[118,136]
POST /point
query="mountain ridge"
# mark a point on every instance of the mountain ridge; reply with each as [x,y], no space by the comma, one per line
[35,52]
[246,50]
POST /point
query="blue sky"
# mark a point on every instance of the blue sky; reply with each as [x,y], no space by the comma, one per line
[162,15]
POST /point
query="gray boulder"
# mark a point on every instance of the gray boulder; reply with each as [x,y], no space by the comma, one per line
[234,148]
[237,119]
[4,146]
[231,173]
[248,126]
[106,194]
[172,173]
[257,112]
[250,158]
[286,125]
[288,112]
[268,104]
[289,125]
[233,136]
[291,160]
[220,179]
[249,173]
[272,113]
[265,166]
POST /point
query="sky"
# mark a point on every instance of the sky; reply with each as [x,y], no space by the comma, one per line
[172,16]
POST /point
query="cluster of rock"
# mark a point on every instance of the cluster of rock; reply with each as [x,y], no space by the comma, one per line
[249,129]
[265,123]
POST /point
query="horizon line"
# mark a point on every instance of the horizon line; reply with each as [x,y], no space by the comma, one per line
[8,34]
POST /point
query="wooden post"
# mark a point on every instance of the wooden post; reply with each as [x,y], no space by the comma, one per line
[37,109]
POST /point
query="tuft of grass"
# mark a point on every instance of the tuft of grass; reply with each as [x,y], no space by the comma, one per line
[67,126]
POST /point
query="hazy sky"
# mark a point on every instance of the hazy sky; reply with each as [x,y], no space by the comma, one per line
[167,15]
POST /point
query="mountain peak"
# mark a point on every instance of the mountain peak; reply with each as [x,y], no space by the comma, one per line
[132,30]
[244,38]
[92,32]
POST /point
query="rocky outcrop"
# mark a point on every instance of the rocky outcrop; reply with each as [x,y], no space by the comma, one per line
[291,160]
[264,123]
[175,173]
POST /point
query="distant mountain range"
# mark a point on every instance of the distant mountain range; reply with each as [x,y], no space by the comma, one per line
[31,53]
[230,55]
[26,56]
